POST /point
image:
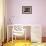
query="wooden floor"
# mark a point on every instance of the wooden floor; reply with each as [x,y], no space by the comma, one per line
[18,43]
[23,43]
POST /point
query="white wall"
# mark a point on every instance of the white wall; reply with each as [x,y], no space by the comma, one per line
[38,15]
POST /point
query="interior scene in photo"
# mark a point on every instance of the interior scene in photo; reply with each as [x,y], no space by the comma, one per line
[22,22]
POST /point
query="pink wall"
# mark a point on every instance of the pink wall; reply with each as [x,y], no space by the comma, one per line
[38,16]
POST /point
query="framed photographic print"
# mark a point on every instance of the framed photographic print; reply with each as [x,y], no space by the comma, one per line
[26,9]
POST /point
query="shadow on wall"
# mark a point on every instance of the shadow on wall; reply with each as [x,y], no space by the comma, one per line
[44,34]
[5,34]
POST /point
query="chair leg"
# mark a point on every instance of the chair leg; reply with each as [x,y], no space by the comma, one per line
[15,38]
[25,36]
[2,44]
[12,38]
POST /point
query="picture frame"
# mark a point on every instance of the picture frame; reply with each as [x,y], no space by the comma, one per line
[26,9]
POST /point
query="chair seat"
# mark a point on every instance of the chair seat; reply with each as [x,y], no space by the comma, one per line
[18,33]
